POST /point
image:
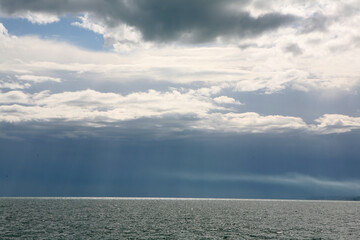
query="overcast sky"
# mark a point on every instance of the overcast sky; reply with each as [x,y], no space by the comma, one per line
[182,98]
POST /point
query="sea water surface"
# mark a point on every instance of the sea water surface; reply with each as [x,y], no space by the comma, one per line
[135,218]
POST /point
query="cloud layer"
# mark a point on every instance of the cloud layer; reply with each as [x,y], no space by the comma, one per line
[191,62]
[164,21]
[189,110]
[295,180]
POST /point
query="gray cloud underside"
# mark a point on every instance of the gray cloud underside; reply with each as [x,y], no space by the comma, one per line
[294,49]
[166,21]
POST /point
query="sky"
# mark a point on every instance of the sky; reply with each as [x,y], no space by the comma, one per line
[182,98]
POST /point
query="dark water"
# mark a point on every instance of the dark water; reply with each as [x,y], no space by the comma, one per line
[57,218]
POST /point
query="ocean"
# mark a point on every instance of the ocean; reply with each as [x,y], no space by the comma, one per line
[147,218]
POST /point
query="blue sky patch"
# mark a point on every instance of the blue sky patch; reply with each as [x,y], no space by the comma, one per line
[61,31]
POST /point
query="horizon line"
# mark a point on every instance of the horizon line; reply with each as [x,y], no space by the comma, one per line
[174,198]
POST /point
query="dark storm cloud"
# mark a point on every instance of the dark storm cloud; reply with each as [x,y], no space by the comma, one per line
[166,21]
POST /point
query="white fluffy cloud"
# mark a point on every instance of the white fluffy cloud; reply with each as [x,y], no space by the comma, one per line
[250,122]
[255,68]
[25,81]
[93,108]
[37,79]
[122,38]
[33,17]
[39,18]
[13,85]
[336,123]
[13,97]
[3,31]
[225,99]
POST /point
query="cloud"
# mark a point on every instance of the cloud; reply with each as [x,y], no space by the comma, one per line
[218,66]
[37,79]
[336,123]
[318,22]
[292,179]
[226,100]
[39,18]
[3,31]
[90,106]
[123,38]
[24,81]
[166,21]
[193,110]
[250,122]
[13,85]
[85,22]
[197,80]
[93,106]
[293,48]
[13,97]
